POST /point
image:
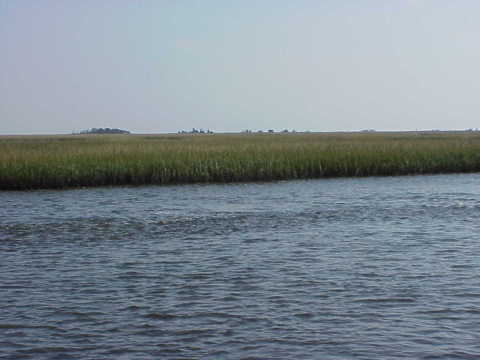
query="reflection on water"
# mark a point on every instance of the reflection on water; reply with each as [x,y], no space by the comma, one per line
[342,268]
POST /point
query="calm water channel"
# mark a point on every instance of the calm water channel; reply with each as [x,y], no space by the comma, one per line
[369,268]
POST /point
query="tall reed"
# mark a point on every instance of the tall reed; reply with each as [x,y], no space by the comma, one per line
[34,162]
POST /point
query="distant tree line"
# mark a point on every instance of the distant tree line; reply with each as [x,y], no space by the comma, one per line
[102,131]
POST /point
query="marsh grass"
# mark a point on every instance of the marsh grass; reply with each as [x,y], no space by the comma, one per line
[34,162]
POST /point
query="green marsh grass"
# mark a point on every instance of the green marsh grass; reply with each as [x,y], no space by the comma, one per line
[42,162]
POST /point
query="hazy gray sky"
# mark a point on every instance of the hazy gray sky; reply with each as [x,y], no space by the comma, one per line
[164,66]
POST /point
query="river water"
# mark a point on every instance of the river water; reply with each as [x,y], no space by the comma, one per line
[362,268]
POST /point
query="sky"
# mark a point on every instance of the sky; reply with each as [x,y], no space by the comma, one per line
[227,65]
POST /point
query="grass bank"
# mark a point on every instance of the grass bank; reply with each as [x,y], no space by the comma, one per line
[42,162]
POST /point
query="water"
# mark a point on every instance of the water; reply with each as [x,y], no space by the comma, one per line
[369,268]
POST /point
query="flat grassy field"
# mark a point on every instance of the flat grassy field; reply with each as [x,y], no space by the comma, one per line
[63,161]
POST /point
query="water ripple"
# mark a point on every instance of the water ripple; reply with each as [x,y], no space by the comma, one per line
[344,268]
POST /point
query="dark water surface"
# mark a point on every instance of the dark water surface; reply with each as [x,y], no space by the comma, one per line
[369,268]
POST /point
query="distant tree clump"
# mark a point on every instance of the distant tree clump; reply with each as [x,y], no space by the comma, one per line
[102,131]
